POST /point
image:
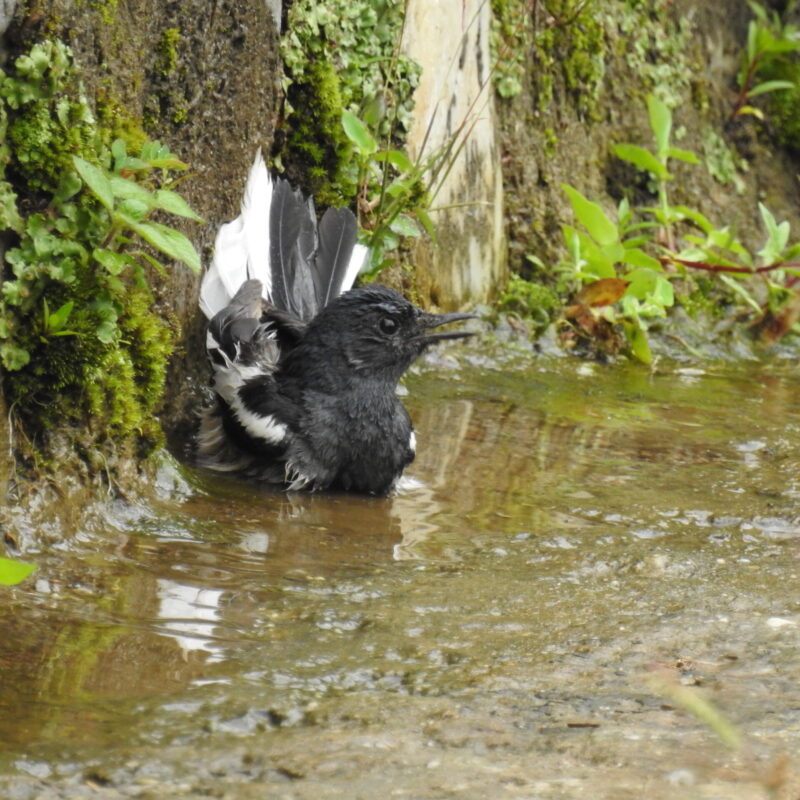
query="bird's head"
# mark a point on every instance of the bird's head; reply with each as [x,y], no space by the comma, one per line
[377,331]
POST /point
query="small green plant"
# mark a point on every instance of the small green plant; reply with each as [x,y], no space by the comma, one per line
[82,237]
[395,193]
[79,340]
[608,255]
[627,264]
[768,41]
[656,162]
[342,55]
[392,195]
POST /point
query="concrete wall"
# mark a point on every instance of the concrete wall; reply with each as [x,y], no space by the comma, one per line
[455,109]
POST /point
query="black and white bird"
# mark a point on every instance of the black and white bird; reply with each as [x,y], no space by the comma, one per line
[305,369]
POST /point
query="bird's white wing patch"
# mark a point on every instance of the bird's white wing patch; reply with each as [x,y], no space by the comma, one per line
[228,379]
[266,428]
[358,260]
[241,249]
[256,206]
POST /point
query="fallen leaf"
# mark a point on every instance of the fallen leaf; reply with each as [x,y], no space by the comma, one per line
[602,293]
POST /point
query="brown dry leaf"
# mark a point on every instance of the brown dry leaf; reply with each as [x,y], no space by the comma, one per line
[773,326]
[602,293]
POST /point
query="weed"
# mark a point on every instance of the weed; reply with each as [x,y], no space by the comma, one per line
[79,340]
[628,263]
[768,41]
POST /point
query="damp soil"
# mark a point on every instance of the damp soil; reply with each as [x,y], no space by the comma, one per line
[581,547]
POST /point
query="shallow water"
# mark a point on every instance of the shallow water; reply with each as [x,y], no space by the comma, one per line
[578,545]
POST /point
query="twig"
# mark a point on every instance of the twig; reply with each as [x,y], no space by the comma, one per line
[726,268]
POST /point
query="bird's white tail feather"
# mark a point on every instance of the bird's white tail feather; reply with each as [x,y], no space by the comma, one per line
[241,250]
[358,261]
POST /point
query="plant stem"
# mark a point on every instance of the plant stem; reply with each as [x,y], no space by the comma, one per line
[726,268]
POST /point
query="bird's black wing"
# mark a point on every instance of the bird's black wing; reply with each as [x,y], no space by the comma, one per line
[310,264]
[337,238]
[245,343]
[293,244]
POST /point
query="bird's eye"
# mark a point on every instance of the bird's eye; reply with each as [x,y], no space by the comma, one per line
[388,325]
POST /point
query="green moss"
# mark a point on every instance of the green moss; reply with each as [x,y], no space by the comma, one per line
[168,51]
[657,47]
[572,44]
[509,45]
[49,117]
[316,139]
[784,105]
[107,9]
[116,122]
[342,55]
[531,301]
[102,366]
[550,141]
[721,162]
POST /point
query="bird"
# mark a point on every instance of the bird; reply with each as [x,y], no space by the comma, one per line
[305,367]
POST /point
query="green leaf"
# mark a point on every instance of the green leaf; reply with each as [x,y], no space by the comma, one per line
[641,283]
[752,50]
[13,357]
[596,264]
[57,320]
[663,293]
[9,214]
[683,155]
[739,289]
[624,213]
[777,237]
[724,239]
[154,263]
[769,86]
[405,226]
[14,572]
[661,123]
[637,341]
[96,181]
[107,331]
[752,110]
[397,158]
[113,262]
[158,156]
[696,217]
[126,189]
[638,258]
[427,222]
[119,150]
[172,202]
[643,159]
[614,252]
[592,217]
[134,208]
[356,131]
[169,241]
[68,186]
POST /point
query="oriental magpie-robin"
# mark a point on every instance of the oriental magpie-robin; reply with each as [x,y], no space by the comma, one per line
[306,368]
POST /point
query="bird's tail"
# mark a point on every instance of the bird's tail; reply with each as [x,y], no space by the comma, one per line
[302,264]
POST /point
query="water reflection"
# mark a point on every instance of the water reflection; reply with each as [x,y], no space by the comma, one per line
[190,614]
[609,483]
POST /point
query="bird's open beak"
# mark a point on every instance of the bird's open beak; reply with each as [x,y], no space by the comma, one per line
[428,321]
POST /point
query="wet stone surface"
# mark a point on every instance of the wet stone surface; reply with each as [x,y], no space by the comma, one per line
[583,547]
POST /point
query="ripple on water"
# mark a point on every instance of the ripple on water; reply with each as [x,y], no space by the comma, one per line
[565,528]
